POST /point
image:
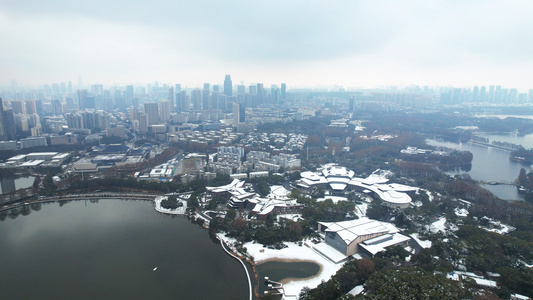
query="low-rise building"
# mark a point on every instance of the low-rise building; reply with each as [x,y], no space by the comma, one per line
[364,235]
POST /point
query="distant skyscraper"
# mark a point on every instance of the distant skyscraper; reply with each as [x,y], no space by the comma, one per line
[351,104]
[483,94]
[205,96]
[82,99]
[239,115]
[39,107]
[128,95]
[215,88]
[513,96]
[228,87]
[241,89]
[152,111]
[164,110]
[2,123]
[8,122]
[213,100]
[56,107]
[18,107]
[97,89]
[177,87]
[491,94]
[30,107]
[196,98]
[260,94]
[252,90]
[171,98]
[475,94]
[143,122]
[70,104]
[274,94]
[283,91]
[184,102]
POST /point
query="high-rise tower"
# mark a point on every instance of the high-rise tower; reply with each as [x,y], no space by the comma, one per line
[239,115]
[227,86]
[196,97]
[82,99]
[151,109]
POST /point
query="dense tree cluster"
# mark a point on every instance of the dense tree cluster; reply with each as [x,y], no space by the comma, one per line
[485,251]
[412,283]
[268,233]
[326,211]
[171,203]
[353,273]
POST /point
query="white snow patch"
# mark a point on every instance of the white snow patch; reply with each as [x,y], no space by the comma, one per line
[360,209]
[422,243]
[356,290]
[430,195]
[438,225]
[461,212]
[292,217]
[497,227]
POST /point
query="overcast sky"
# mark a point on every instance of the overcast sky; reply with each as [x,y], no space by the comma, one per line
[303,43]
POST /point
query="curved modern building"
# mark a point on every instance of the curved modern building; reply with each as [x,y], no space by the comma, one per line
[340,180]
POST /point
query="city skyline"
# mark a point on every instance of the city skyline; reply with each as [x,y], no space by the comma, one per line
[306,44]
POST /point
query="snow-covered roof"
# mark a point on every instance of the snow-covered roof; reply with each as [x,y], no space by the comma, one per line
[351,230]
[338,186]
[235,184]
[317,180]
[333,254]
[310,176]
[358,289]
[337,171]
[380,243]
[279,191]
[339,178]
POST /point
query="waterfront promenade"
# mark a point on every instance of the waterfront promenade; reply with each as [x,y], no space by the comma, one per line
[85,196]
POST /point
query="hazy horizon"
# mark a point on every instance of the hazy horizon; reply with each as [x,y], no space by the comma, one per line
[350,44]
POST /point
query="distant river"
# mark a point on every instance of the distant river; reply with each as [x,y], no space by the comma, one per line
[108,250]
[489,164]
[525,140]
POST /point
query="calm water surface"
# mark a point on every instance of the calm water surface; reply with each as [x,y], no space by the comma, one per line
[10,184]
[108,250]
[490,164]
[277,271]
[525,140]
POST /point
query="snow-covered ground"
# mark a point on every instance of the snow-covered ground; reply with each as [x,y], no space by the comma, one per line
[438,225]
[430,195]
[497,227]
[292,217]
[295,252]
[360,209]
[461,212]
[178,211]
[422,243]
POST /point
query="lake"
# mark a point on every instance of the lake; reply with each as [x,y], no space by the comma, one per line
[279,271]
[489,164]
[10,184]
[108,250]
